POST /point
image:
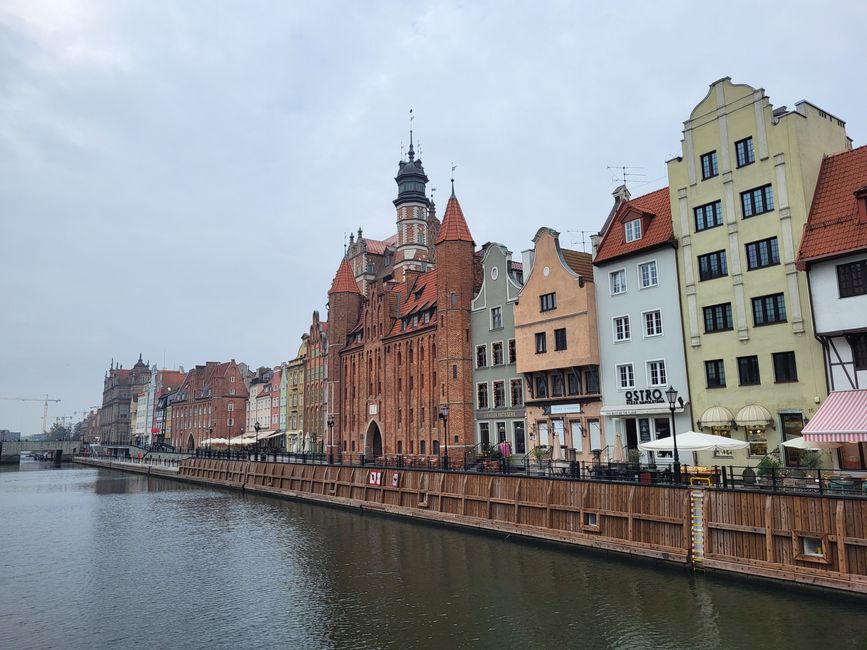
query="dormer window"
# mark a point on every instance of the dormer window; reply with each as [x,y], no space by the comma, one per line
[633,230]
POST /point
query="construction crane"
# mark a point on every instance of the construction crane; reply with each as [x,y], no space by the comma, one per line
[36,399]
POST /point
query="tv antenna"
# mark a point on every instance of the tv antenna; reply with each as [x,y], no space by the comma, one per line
[624,174]
[583,241]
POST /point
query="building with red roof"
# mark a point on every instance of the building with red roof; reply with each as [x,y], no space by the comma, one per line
[638,319]
[399,370]
[119,387]
[833,252]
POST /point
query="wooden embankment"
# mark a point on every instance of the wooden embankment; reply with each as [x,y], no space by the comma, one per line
[818,540]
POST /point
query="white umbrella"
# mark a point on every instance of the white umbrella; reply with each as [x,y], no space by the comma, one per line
[215,441]
[801,443]
[693,441]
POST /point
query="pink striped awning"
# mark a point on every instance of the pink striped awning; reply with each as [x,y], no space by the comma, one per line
[841,418]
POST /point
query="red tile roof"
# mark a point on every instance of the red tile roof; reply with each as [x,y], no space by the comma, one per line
[833,227]
[375,246]
[581,263]
[416,300]
[454,226]
[654,210]
[344,281]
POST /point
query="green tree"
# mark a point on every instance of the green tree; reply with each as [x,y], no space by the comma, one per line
[59,431]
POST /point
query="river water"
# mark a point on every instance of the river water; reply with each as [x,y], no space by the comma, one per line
[94,558]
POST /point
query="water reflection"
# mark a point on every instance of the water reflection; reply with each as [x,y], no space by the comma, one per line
[97,559]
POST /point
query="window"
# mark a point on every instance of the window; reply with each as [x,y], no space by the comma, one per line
[499,394]
[715,373]
[481,356]
[497,353]
[712,265]
[517,389]
[852,279]
[617,281]
[548,301]
[718,318]
[656,373]
[769,309]
[560,339]
[784,367]
[647,274]
[621,328]
[708,216]
[757,201]
[541,385]
[632,229]
[858,342]
[496,318]
[625,376]
[708,166]
[748,371]
[573,383]
[653,323]
[556,385]
[744,152]
[762,253]
[421,447]
[513,353]
[485,434]
[482,394]
[541,343]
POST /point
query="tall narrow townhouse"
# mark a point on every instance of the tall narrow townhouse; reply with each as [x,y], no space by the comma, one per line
[740,193]
[558,352]
[295,408]
[499,389]
[834,254]
[638,315]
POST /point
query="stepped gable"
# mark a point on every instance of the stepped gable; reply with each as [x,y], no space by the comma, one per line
[454,226]
[344,281]
[654,210]
[837,223]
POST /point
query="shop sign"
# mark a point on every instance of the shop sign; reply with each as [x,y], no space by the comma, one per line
[634,397]
[644,430]
[374,478]
[562,409]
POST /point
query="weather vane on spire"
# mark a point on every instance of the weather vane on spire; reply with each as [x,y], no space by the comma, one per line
[454,167]
[411,152]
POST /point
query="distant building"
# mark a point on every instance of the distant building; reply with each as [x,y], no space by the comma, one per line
[10,436]
[315,379]
[295,373]
[119,387]
[498,387]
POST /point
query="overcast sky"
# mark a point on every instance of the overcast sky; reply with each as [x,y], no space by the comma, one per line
[178,178]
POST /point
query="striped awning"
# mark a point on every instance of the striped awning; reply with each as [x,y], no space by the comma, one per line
[841,418]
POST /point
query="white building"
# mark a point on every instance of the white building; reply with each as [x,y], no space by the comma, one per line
[638,318]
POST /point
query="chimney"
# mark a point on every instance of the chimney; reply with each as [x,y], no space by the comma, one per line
[527,257]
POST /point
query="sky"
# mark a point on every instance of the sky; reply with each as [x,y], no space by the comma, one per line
[177,179]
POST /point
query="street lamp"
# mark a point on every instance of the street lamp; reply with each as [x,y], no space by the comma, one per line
[444,416]
[671,396]
[210,437]
[330,422]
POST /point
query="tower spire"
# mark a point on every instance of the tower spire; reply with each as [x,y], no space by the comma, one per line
[454,167]
[411,153]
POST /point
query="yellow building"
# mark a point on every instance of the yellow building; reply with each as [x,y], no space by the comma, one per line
[740,195]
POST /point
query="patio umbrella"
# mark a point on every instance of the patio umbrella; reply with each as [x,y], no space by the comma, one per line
[801,443]
[215,441]
[618,449]
[693,441]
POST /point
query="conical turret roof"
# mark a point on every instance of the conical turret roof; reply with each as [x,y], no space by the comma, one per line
[344,281]
[454,226]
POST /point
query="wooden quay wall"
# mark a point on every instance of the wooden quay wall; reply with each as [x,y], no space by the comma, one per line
[748,532]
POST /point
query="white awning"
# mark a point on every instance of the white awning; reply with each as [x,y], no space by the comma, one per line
[716,416]
[753,415]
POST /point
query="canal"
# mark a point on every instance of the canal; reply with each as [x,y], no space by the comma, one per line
[94,558]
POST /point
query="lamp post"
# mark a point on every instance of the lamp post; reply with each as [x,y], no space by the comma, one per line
[444,415]
[210,441]
[257,426]
[671,396]
[330,422]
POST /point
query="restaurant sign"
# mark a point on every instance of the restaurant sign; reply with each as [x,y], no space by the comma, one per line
[634,397]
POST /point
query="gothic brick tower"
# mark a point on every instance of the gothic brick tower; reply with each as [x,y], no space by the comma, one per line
[454,254]
[344,310]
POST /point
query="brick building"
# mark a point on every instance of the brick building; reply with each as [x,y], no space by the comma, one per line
[315,380]
[400,335]
[210,403]
[119,386]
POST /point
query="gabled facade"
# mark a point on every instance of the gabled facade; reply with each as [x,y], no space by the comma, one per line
[638,318]
[315,385]
[834,254]
[558,352]
[295,406]
[119,387]
[498,388]
[739,194]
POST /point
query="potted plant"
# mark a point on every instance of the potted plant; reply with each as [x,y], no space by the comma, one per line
[768,468]
[633,457]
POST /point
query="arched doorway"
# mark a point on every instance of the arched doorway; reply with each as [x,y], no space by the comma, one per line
[373,441]
[191,443]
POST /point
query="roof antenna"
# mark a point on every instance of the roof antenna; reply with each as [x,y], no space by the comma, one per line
[625,175]
[454,167]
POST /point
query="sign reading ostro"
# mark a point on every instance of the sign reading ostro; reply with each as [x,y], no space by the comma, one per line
[644,397]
